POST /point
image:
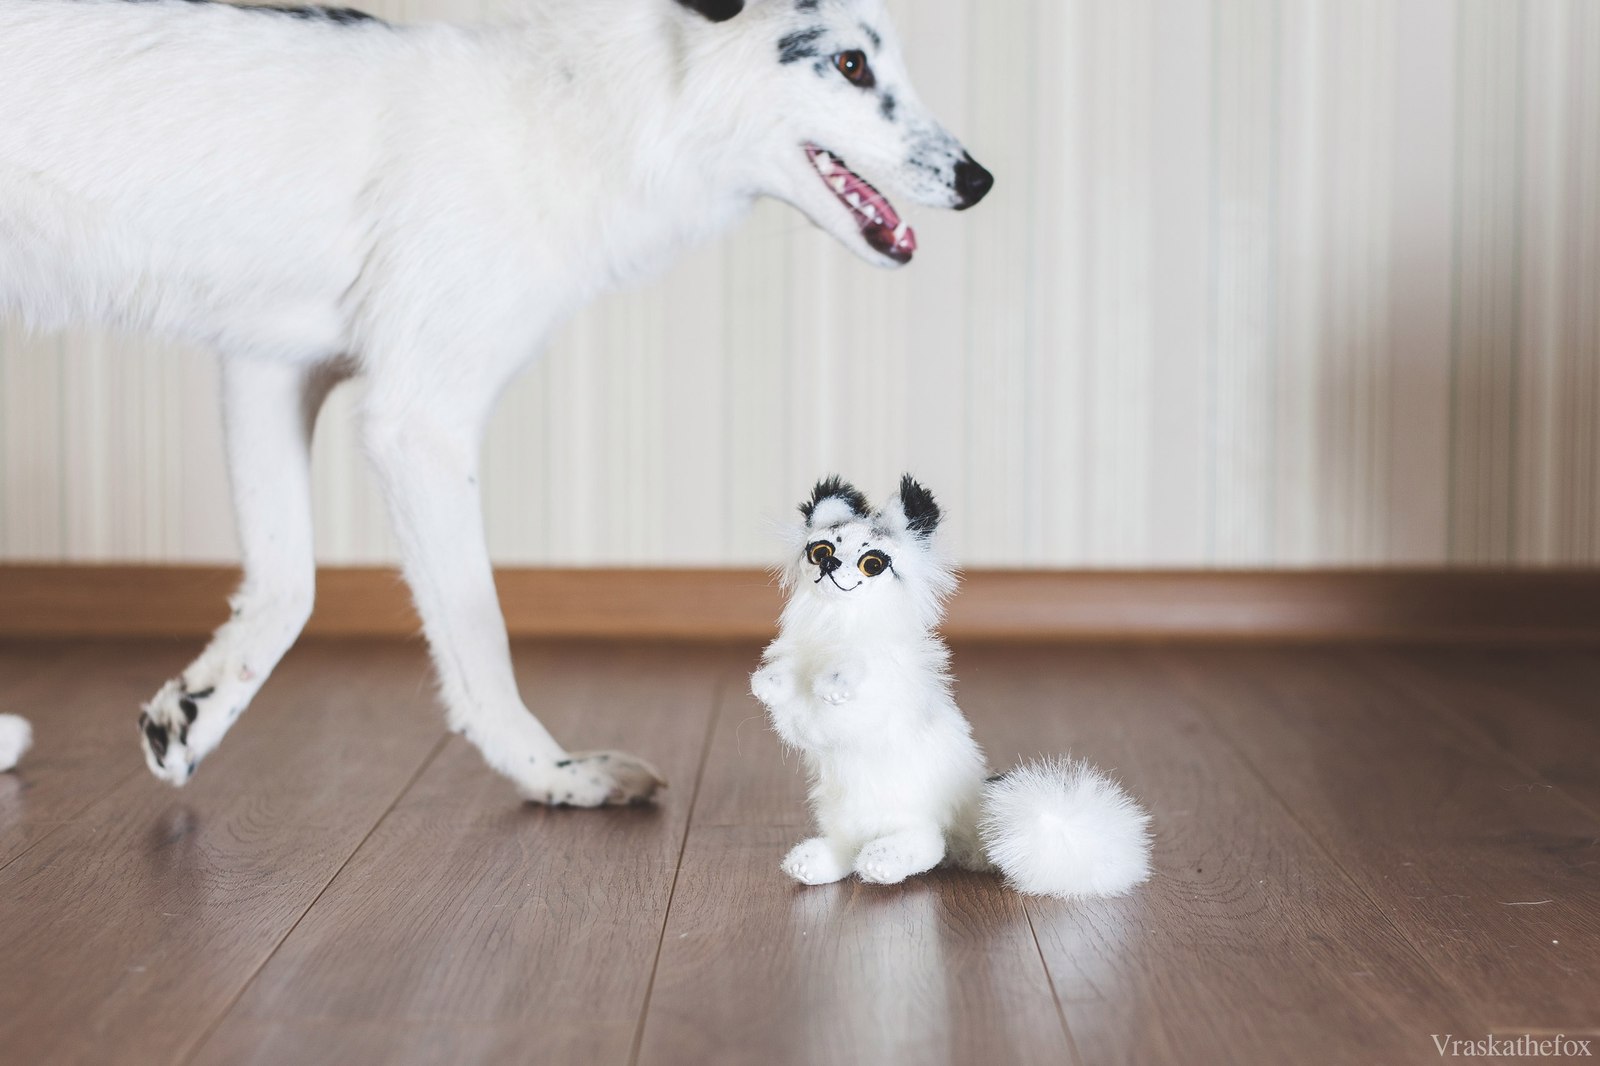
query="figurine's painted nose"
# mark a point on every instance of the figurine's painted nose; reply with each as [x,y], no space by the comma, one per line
[830,564]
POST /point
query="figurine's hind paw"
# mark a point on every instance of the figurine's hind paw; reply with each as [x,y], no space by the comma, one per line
[815,862]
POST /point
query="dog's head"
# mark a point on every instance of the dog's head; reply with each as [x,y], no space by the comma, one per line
[848,559]
[821,89]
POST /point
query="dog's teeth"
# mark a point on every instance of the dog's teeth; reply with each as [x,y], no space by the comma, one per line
[853,200]
[839,185]
[900,232]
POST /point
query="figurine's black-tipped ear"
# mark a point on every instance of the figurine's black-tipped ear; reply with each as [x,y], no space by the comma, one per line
[715,10]
[921,509]
[836,488]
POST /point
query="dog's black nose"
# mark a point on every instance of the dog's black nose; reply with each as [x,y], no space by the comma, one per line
[830,564]
[972,182]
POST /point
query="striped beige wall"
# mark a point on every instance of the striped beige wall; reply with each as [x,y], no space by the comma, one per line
[1264,283]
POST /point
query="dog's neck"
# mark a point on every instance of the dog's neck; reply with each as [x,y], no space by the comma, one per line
[655,131]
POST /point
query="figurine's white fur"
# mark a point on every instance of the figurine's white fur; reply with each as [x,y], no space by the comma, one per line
[857,682]
[316,195]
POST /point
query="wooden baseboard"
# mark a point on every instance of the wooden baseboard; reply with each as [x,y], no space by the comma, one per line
[1440,605]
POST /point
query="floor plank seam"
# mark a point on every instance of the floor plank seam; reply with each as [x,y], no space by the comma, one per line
[1050,979]
[683,846]
[1199,701]
[244,986]
[1474,734]
[72,818]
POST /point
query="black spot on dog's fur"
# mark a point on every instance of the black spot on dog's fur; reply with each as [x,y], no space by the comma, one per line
[872,35]
[715,10]
[889,106]
[922,512]
[807,5]
[189,708]
[203,693]
[157,737]
[341,16]
[830,487]
[563,764]
[802,44]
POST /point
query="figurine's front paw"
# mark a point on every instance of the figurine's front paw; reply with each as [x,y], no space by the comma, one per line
[815,862]
[772,685]
[834,688]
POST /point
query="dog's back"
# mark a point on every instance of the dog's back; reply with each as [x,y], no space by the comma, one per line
[216,149]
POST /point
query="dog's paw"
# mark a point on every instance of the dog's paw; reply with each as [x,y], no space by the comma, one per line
[891,860]
[814,862]
[834,687]
[772,685]
[179,727]
[595,779]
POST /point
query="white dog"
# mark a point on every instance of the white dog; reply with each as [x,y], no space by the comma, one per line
[857,683]
[318,194]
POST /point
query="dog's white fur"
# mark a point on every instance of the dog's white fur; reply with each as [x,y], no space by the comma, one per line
[857,682]
[420,206]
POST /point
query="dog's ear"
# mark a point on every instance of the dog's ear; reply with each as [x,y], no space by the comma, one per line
[916,508]
[715,10]
[833,500]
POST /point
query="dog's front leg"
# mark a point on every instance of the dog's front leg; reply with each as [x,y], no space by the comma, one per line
[424,448]
[270,409]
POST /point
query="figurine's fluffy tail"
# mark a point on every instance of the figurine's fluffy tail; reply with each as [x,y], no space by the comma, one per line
[1059,827]
[15,736]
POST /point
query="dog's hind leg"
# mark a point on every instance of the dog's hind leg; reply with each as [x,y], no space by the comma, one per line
[424,444]
[270,410]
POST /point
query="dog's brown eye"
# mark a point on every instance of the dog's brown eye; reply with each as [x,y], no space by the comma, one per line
[819,552]
[873,563]
[853,65]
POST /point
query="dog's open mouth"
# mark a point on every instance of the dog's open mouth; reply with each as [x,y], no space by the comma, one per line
[880,225]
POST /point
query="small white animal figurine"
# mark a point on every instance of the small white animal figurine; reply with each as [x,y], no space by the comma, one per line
[857,682]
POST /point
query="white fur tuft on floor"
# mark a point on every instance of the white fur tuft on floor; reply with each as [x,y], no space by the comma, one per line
[15,736]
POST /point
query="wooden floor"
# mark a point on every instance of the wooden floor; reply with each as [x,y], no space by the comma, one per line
[1357,849]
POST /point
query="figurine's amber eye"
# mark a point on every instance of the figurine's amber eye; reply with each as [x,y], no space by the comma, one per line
[873,563]
[819,552]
